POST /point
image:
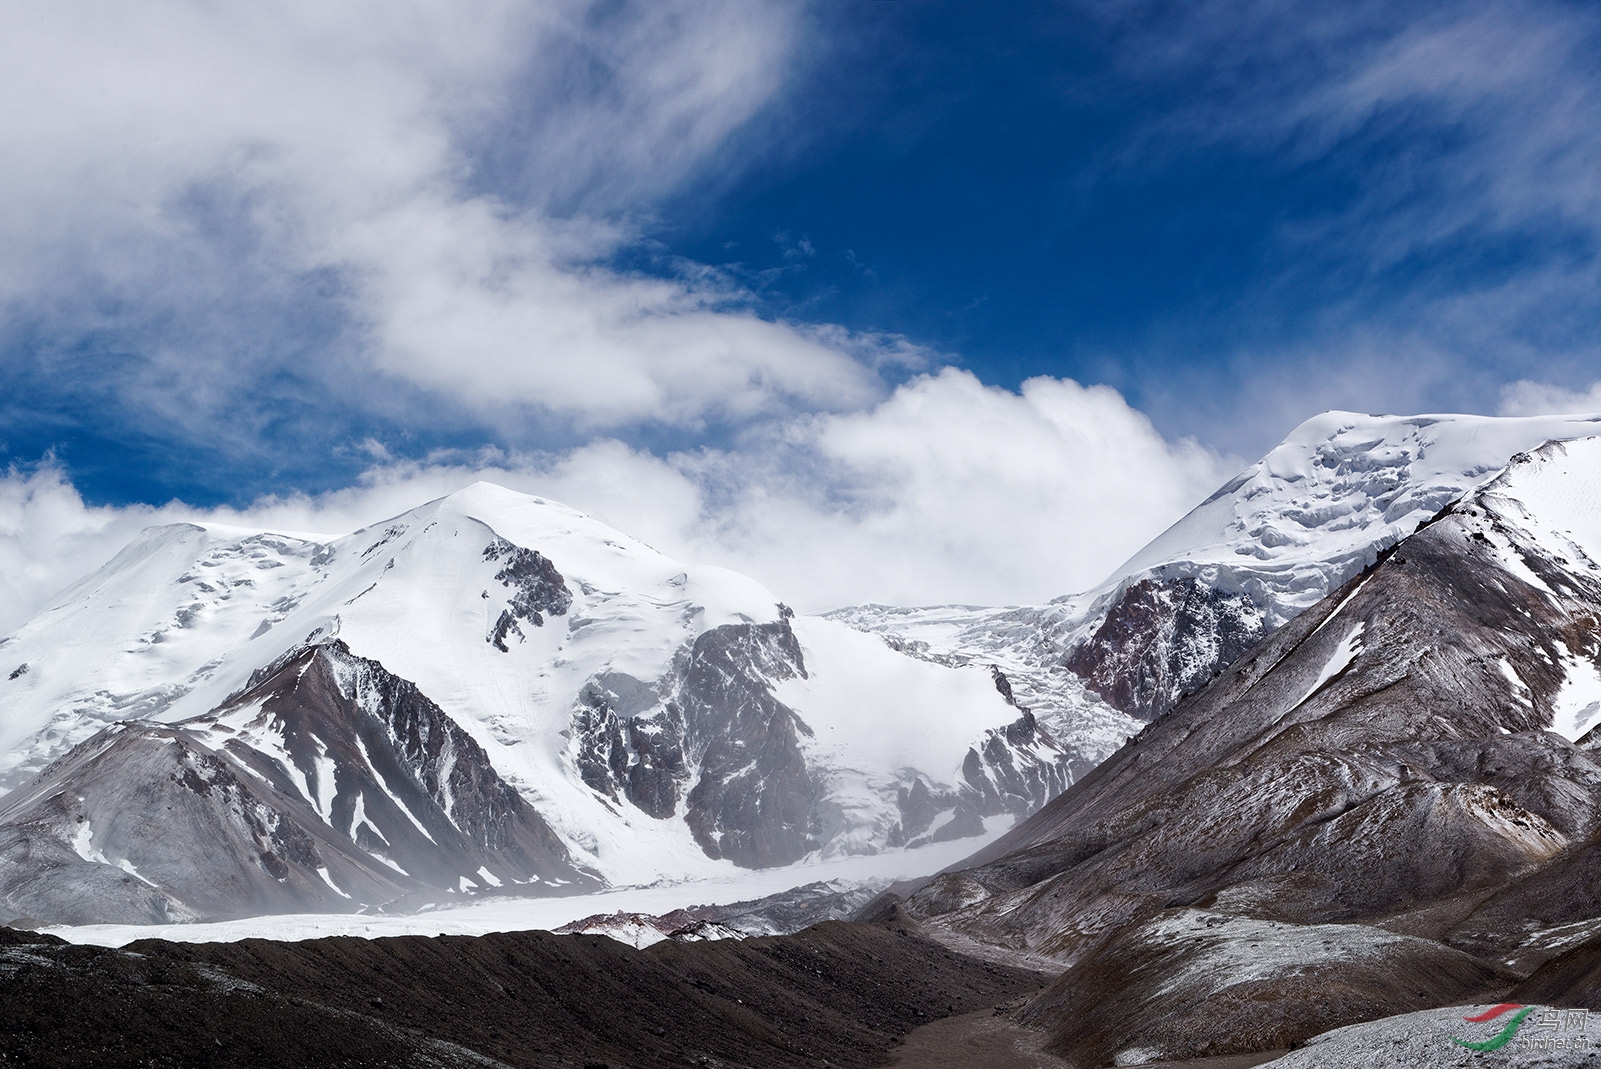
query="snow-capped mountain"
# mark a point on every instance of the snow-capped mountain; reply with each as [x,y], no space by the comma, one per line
[494,693]
[1341,489]
[490,691]
[1388,804]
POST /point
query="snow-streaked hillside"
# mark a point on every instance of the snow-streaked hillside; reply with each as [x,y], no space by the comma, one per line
[661,718]
[1389,803]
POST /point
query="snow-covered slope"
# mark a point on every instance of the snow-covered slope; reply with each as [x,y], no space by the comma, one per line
[1275,539]
[662,719]
[1340,489]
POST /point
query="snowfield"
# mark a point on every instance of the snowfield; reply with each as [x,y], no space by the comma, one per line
[481,916]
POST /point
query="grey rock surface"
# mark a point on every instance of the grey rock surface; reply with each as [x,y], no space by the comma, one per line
[1547,1037]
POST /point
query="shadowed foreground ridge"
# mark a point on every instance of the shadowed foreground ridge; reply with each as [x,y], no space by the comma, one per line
[840,992]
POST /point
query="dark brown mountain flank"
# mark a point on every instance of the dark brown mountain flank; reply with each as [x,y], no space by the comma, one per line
[1367,813]
[843,994]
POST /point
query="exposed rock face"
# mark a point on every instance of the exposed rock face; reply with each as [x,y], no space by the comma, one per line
[1402,756]
[755,800]
[536,588]
[713,742]
[1164,639]
[601,752]
[1015,770]
[327,785]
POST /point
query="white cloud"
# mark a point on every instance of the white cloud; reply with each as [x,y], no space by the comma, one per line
[48,538]
[470,303]
[1526,398]
[955,491]
[421,204]
[445,183]
[948,491]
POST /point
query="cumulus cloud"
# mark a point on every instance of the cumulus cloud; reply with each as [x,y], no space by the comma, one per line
[955,491]
[947,491]
[1526,398]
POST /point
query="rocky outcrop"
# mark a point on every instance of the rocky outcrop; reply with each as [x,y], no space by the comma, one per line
[536,588]
[754,799]
[1014,769]
[1163,639]
[717,745]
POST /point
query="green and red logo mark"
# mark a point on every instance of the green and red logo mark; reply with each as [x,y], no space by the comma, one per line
[1503,1037]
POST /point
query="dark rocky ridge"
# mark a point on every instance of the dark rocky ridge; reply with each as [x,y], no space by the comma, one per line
[536,588]
[1163,639]
[1380,762]
[717,741]
[147,823]
[755,799]
[840,993]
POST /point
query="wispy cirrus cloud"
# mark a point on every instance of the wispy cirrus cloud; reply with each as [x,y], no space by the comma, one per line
[1449,159]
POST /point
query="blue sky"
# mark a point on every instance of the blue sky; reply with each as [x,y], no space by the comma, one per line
[1185,200]
[737,248]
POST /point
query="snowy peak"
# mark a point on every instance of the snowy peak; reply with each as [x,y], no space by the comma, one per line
[1340,489]
[1311,514]
[600,557]
[329,784]
[185,613]
[493,690]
